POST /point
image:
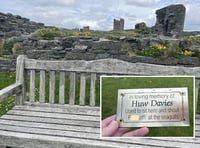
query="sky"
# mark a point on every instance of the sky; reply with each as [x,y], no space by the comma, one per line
[98,14]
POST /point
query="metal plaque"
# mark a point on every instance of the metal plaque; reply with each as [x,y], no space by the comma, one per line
[153,107]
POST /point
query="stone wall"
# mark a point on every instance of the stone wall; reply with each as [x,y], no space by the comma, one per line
[92,48]
[15,25]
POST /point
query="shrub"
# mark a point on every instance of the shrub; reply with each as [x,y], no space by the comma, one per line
[164,51]
[49,33]
[16,47]
[154,51]
[8,45]
[193,38]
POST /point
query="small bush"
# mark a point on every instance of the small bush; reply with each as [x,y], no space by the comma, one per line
[49,33]
[165,51]
[193,38]
[16,47]
[8,45]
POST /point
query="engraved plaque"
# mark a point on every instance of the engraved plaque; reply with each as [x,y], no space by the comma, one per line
[153,107]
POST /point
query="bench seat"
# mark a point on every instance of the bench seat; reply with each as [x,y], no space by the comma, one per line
[60,126]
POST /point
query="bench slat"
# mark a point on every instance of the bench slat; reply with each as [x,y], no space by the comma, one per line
[52,126]
[42,86]
[72,88]
[32,86]
[62,88]
[32,140]
[92,89]
[52,87]
[52,120]
[52,132]
[82,89]
[67,109]
[54,115]
[90,136]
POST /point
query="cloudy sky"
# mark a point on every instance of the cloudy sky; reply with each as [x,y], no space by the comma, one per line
[98,14]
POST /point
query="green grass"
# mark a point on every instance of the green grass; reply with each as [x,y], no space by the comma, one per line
[5,80]
[50,33]
[110,86]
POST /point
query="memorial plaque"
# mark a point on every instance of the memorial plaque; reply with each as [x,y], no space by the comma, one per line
[153,107]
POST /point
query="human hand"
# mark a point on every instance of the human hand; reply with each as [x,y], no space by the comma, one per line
[110,128]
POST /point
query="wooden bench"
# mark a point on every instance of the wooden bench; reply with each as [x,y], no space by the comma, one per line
[34,123]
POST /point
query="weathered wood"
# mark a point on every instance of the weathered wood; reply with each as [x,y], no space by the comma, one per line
[10,90]
[56,108]
[53,115]
[52,87]
[51,120]
[112,66]
[52,126]
[62,88]
[92,89]
[32,86]
[82,89]
[64,125]
[20,78]
[42,86]
[72,88]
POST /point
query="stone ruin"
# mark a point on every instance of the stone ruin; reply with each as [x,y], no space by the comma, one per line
[170,20]
[85,29]
[118,25]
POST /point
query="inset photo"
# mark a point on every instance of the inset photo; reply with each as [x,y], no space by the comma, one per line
[147,106]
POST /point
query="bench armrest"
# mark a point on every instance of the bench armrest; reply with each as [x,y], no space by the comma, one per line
[10,90]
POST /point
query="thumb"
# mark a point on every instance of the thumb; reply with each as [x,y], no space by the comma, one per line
[110,129]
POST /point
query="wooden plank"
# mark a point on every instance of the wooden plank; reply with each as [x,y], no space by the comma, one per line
[52,132]
[52,87]
[92,89]
[89,136]
[71,110]
[82,89]
[32,85]
[43,141]
[42,86]
[62,88]
[20,78]
[51,120]
[65,106]
[72,88]
[54,115]
[52,126]
[112,66]
[10,90]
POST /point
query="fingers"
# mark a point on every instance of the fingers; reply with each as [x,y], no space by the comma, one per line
[111,129]
[137,133]
[121,131]
[107,121]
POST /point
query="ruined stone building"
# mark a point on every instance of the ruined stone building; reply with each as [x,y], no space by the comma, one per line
[170,20]
[118,25]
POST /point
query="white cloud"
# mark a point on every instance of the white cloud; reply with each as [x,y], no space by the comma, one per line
[142,3]
[98,14]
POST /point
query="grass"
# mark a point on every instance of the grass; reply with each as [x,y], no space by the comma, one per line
[7,79]
[110,86]
[50,33]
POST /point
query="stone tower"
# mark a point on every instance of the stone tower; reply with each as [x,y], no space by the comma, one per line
[118,25]
[170,20]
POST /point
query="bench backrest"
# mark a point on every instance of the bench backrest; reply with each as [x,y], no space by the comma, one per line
[85,69]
